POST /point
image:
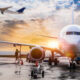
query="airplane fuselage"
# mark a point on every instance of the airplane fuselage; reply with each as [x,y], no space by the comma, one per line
[70,40]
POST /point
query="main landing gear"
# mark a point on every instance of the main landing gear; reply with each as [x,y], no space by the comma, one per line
[55,60]
[72,65]
[50,61]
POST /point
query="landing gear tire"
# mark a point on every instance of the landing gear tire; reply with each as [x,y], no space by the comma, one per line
[31,74]
[42,74]
[56,61]
[77,62]
[50,61]
[72,65]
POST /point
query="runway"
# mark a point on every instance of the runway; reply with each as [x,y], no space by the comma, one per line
[11,71]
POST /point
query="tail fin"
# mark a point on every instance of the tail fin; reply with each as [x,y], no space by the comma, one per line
[21,10]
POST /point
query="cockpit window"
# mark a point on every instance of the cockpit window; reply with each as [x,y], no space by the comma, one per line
[72,33]
[77,33]
[69,33]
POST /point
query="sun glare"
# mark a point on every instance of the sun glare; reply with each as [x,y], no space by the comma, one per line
[53,44]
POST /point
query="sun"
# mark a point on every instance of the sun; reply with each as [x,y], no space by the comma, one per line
[52,44]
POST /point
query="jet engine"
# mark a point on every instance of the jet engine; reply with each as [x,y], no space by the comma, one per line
[36,54]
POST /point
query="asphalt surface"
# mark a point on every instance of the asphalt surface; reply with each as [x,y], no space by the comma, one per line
[11,71]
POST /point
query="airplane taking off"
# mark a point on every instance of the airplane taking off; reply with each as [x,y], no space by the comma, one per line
[69,46]
[21,10]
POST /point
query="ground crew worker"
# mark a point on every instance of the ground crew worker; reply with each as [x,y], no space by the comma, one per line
[16,54]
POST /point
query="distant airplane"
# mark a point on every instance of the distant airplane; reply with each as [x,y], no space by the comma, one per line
[21,10]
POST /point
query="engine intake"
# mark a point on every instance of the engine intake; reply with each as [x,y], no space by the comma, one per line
[37,53]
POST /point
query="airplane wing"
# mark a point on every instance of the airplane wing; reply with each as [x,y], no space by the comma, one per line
[33,45]
[25,44]
[18,44]
[4,9]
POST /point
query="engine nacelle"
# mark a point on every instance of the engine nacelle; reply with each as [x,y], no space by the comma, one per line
[36,54]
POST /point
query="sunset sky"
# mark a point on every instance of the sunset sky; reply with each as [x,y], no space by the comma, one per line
[39,18]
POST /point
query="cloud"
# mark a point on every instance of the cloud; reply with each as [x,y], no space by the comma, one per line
[13,30]
[33,8]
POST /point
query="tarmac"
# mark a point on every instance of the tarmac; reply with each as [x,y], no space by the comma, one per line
[11,71]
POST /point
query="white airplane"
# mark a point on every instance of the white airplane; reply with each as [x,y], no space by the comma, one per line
[21,10]
[69,46]
[70,41]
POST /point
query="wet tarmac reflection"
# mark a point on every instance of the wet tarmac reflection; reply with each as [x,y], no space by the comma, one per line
[16,72]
